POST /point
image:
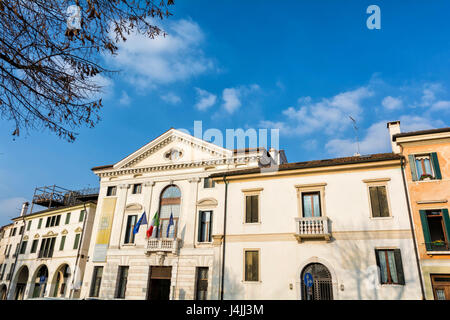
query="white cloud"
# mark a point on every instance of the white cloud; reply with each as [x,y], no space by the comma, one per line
[443,105]
[329,115]
[163,60]
[125,99]
[171,98]
[11,207]
[392,103]
[205,99]
[232,96]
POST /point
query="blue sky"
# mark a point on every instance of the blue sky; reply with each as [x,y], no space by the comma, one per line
[300,66]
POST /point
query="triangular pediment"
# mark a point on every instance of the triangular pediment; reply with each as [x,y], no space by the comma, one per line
[173,147]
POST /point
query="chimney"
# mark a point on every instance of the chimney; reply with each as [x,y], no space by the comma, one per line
[394,128]
[274,154]
[24,209]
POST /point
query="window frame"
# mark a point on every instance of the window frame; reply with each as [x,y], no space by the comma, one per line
[136,188]
[130,229]
[400,271]
[245,250]
[93,289]
[113,194]
[434,165]
[119,284]
[248,193]
[199,218]
[311,188]
[379,182]
[197,281]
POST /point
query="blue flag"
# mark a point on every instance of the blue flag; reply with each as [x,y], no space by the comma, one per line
[170,224]
[142,220]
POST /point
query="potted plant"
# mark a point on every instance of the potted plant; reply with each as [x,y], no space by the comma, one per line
[426,176]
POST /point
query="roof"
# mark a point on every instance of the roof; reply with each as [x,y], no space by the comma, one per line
[418,133]
[55,209]
[102,167]
[318,163]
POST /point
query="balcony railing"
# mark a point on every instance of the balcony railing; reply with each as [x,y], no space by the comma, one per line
[163,245]
[437,246]
[312,228]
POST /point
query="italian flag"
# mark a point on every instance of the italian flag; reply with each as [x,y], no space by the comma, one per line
[155,223]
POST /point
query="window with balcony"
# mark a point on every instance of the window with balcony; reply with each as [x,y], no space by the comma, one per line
[251,263]
[96,281]
[111,191]
[311,204]
[436,229]
[424,166]
[389,262]
[169,206]
[204,226]
[137,188]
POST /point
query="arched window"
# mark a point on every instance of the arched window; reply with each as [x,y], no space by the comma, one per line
[169,204]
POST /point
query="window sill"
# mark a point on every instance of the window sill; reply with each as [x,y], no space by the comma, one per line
[436,253]
[391,285]
[431,180]
[251,223]
[204,244]
[128,245]
[382,218]
[251,282]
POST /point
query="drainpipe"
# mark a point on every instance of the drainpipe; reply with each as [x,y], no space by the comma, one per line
[224,236]
[402,164]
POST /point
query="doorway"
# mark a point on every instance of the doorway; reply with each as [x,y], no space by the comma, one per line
[320,286]
[159,283]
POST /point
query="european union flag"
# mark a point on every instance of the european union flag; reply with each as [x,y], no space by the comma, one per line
[142,220]
[170,224]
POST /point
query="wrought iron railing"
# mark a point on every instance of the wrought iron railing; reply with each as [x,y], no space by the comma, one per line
[437,246]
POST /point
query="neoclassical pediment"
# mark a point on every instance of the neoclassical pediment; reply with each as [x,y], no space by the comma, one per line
[133,207]
[25,238]
[79,229]
[50,234]
[207,202]
[36,235]
[64,232]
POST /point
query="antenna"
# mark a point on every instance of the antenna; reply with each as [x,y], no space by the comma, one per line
[356,134]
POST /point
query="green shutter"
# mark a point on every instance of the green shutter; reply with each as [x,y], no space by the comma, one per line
[61,245]
[426,230]
[437,170]
[412,166]
[447,223]
[40,223]
[81,215]
[399,266]
[77,239]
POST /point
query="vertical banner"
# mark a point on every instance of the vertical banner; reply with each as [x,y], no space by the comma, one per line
[104,229]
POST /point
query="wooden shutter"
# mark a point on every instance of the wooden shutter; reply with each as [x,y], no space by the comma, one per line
[399,266]
[425,228]
[447,223]
[412,166]
[374,202]
[254,208]
[377,259]
[382,197]
[248,208]
[437,170]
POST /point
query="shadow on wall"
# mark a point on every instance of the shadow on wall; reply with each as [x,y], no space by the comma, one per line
[233,289]
[357,259]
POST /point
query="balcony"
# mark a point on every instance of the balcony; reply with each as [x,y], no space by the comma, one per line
[437,246]
[163,245]
[312,228]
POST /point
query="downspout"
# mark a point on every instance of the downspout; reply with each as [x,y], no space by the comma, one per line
[402,164]
[224,236]
[17,258]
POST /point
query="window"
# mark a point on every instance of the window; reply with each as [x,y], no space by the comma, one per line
[201,292]
[34,246]
[378,201]
[77,241]
[47,223]
[29,225]
[61,244]
[21,230]
[3,271]
[390,263]
[424,166]
[82,213]
[251,208]
[40,223]
[208,183]
[16,252]
[23,248]
[251,265]
[129,235]
[96,281]
[137,189]
[311,204]
[68,218]
[122,279]
[204,226]
[13,232]
[169,205]
[111,191]
[47,246]
[436,229]
[58,219]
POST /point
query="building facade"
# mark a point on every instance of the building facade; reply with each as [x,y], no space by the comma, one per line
[427,171]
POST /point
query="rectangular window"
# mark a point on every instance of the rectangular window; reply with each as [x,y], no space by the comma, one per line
[251,265]
[21,230]
[47,247]
[436,229]
[251,209]
[40,223]
[208,183]
[68,218]
[82,212]
[23,248]
[3,271]
[378,201]
[390,265]
[77,241]
[137,188]
[311,204]
[61,244]
[47,223]
[34,246]
[13,232]
[204,226]
[201,292]
[96,281]
[424,166]
[129,235]
[58,220]
[29,225]
[122,279]
[111,191]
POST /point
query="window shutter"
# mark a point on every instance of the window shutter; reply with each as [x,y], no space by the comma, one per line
[374,202]
[255,209]
[437,170]
[426,230]
[412,166]
[200,218]
[211,225]
[399,266]
[447,223]
[248,208]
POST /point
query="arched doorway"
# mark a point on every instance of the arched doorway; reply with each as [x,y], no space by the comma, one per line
[3,292]
[60,281]
[321,287]
[21,283]
[39,282]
